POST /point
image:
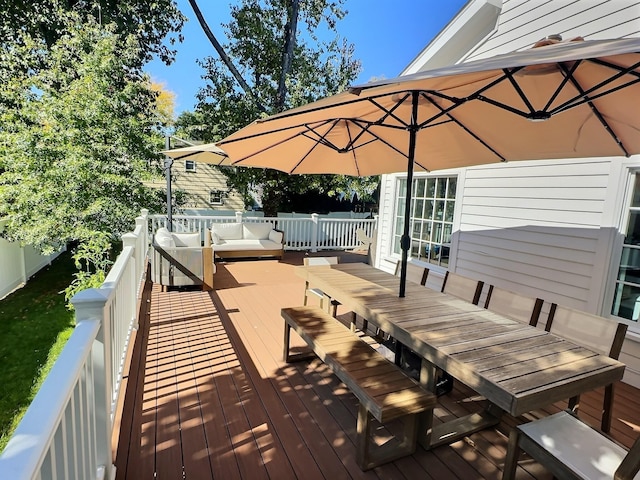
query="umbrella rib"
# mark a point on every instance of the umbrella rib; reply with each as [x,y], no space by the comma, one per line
[568,74]
[519,91]
[389,112]
[595,111]
[579,100]
[466,129]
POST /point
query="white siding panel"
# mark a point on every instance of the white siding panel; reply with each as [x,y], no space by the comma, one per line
[535,217]
[524,22]
[535,203]
[476,220]
[536,169]
[539,256]
[541,181]
[527,193]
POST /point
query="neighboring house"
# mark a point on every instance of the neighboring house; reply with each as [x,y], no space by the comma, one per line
[550,229]
[205,186]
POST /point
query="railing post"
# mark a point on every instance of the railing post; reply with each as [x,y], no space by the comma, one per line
[239,217]
[314,231]
[90,305]
[131,240]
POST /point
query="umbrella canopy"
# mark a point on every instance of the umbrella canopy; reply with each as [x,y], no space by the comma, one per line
[205,153]
[562,100]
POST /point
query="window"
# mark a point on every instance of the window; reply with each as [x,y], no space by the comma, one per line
[216,197]
[626,298]
[189,166]
[432,205]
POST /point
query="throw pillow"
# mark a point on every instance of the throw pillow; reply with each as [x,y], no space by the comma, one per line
[256,231]
[276,236]
[215,239]
[163,238]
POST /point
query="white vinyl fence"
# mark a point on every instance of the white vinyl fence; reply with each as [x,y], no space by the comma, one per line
[312,232]
[66,432]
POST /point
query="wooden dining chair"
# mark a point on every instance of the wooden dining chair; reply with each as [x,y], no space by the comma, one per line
[462,287]
[514,305]
[596,333]
[466,289]
[415,273]
[332,305]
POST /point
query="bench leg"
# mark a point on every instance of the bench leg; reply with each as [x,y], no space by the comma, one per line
[370,455]
[286,354]
[513,453]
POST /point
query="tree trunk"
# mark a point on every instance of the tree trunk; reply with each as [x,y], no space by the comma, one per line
[290,32]
[225,58]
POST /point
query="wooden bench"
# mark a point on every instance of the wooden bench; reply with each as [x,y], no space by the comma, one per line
[384,391]
[571,449]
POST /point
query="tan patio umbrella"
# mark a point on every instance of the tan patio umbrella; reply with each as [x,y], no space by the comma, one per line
[568,99]
[205,153]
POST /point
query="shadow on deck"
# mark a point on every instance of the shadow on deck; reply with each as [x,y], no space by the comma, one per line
[209,396]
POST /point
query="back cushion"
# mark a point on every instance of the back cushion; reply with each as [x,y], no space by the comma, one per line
[227,231]
[186,239]
[256,231]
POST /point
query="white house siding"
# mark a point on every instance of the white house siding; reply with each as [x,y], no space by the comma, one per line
[536,228]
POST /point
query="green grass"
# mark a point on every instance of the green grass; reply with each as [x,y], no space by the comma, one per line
[35,325]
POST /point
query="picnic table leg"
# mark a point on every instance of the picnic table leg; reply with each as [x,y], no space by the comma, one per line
[425,420]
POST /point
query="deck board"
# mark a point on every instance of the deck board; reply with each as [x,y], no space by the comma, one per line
[208,395]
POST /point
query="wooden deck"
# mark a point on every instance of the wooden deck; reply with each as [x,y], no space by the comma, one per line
[208,395]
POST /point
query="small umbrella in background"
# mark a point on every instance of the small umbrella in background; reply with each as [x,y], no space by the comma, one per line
[205,153]
[560,100]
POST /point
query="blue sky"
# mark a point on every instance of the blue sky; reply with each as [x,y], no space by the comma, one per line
[387,35]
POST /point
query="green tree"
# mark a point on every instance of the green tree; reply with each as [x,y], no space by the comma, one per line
[46,21]
[284,64]
[76,136]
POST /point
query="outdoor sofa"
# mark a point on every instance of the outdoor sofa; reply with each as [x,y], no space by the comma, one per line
[245,239]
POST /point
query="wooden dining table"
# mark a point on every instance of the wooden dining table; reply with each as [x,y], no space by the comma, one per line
[516,367]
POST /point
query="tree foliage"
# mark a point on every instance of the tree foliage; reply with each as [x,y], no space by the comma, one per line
[267,48]
[79,121]
[75,138]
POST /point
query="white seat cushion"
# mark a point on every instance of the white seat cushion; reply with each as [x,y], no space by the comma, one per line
[583,449]
[245,245]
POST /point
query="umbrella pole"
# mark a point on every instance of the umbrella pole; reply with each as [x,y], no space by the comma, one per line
[405,241]
[168,163]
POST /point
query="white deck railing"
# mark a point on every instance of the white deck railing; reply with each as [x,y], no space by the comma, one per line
[315,232]
[66,432]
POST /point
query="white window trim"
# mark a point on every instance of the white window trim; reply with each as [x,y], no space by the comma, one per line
[187,169]
[458,174]
[221,193]
[626,177]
